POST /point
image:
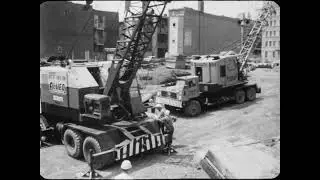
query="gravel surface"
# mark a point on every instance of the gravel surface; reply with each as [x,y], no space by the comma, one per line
[256,120]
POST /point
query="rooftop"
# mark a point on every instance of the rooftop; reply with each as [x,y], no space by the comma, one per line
[191,10]
[212,59]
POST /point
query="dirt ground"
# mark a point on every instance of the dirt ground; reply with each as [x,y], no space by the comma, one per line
[257,120]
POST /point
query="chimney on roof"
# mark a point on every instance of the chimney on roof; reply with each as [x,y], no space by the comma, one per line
[200,6]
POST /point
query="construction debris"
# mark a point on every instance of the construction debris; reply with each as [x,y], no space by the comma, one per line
[239,161]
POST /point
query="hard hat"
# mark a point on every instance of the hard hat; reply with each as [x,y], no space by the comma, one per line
[158,106]
[126,165]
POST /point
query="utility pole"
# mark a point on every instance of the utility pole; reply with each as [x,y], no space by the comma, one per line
[200,9]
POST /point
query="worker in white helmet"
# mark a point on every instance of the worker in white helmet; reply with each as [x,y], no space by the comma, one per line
[168,128]
[125,167]
[160,111]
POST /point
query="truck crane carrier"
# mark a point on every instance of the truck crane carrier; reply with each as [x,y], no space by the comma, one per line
[215,78]
[106,118]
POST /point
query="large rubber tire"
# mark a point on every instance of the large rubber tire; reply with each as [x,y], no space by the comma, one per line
[98,146]
[43,123]
[73,143]
[193,108]
[251,94]
[240,96]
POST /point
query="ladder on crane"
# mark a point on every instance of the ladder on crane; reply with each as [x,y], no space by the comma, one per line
[253,35]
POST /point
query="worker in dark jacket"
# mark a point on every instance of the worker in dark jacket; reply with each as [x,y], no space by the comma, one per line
[168,128]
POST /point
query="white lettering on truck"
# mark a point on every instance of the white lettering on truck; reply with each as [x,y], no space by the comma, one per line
[57,83]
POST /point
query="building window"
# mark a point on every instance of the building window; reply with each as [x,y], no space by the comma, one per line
[266,54]
[274,43]
[266,33]
[270,23]
[274,22]
[223,71]
[174,24]
[274,54]
[274,33]
[67,12]
[270,43]
[266,43]
[279,43]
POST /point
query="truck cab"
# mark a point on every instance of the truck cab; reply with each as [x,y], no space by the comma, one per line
[186,88]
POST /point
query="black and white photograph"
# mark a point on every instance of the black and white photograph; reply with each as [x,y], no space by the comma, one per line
[160,89]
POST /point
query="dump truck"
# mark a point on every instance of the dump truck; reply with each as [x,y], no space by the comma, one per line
[90,112]
[211,80]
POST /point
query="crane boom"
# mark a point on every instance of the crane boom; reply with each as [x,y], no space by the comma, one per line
[140,22]
[252,36]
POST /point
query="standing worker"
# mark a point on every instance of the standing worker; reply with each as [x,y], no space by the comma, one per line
[167,122]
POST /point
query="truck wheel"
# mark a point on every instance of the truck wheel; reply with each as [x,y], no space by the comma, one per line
[240,96]
[193,108]
[93,143]
[251,94]
[43,123]
[73,143]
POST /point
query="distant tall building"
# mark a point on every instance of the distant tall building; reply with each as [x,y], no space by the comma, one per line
[271,37]
[63,23]
[160,39]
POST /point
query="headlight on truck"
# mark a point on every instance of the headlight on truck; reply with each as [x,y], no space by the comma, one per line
[158,93]
[179,97]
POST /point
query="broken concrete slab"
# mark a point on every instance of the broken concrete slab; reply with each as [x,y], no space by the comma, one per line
[230,161]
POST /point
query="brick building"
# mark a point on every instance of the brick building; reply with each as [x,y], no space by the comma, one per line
[159,45]
[195,32]
[160,39]
[61,24]
[271,37]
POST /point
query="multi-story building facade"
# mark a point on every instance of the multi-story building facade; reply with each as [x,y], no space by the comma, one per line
[66,26]
[159,44]
[160,39]
[270,47]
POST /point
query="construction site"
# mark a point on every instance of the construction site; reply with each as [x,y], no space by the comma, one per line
[159,91]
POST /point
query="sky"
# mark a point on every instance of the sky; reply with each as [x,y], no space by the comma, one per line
[225,8]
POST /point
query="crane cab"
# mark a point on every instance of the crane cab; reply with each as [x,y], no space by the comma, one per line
[216,70]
